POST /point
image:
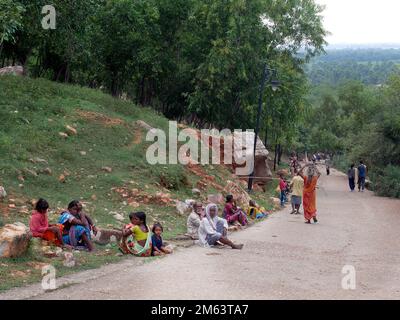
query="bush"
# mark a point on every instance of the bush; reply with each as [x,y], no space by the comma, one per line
[388,183]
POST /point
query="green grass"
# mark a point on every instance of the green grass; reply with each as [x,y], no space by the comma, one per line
[32,113]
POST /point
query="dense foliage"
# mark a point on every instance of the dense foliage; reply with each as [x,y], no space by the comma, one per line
[194,60]
[369,66]
[353,122]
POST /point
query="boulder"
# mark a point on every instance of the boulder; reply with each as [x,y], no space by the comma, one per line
[14,240]
[183,208]
[118,217]
[71,130]
[143,125]
[3,193]
[196,192]
[107,169]
[276,202]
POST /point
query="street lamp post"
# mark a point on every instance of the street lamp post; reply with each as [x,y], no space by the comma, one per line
[270,76]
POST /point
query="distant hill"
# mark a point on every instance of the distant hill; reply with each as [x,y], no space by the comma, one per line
[371,66]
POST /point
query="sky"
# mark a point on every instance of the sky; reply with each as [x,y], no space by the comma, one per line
[362,21]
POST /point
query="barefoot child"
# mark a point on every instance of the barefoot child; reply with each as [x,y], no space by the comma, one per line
[159,248]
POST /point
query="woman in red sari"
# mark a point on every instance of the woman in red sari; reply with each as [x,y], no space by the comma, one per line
[310,193]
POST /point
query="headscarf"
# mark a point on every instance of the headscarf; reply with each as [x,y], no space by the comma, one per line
[210,220]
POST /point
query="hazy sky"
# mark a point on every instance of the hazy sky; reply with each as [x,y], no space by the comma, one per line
[362,21]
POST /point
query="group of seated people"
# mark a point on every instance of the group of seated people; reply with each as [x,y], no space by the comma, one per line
[74,228]
[74,231]
[210,229]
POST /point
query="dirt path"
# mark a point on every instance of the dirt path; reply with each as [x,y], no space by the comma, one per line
[283,258]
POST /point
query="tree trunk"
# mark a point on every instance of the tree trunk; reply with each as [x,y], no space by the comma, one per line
[276,155]
[280,151]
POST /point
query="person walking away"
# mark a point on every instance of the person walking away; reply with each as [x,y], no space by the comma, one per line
[362,174]
[297,185]
[351,174]
[328,166]
[310,193]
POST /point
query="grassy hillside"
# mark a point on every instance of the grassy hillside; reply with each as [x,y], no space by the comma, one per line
[36,161]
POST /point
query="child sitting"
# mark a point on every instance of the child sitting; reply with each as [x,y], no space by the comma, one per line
[255,211]
[158,247]
[39,224]
[136,236]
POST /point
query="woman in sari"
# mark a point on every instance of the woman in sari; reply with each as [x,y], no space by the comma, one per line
[77,227]
[310,193]
[214,229]
[233,214]
[136,238]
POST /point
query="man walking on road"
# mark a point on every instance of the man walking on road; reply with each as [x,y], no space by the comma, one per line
[351,174]
[297,186]
[362,174]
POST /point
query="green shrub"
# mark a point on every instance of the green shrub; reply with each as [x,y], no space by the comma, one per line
[388,183]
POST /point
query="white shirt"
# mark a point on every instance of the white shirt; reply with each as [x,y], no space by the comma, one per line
[206,229]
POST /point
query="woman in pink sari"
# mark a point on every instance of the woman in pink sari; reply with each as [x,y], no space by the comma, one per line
[233,214]
[310,193]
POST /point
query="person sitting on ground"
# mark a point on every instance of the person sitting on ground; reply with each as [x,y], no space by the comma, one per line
[136,236]
[76,230]
[39,225]
[194,219]
[158,247]
[234,214]
[214,229]
[255,211]
[297,185]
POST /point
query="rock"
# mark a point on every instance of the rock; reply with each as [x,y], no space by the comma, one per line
[11,205]
[119,217]
[69,260]
[30,172]
[59,251]
[71,130]
[182,208]
[276,202]
[14,240]
[21,178]
[47,171]
[48,252]
[12,70]
[83,153]
[23,210]
[21,185]
[63,135]
[216,198]
[61,178]
[107,169]
[3,193]
[143,125]
[38,160]
[196,192]
[93,197]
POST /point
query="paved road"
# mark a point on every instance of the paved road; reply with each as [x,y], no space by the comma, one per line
[283,258]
